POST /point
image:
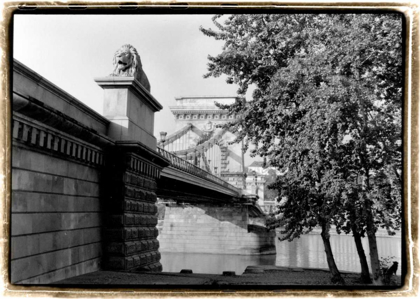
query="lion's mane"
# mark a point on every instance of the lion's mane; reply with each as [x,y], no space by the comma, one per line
[134,70]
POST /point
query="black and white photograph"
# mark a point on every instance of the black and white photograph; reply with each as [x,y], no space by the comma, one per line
[224,150]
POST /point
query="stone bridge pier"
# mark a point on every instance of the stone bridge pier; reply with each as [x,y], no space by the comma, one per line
[133,167]
[214,228]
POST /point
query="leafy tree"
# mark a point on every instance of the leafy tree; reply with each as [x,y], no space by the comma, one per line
[326,106]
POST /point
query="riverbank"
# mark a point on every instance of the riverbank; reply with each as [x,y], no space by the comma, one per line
[253,276]
[305,252]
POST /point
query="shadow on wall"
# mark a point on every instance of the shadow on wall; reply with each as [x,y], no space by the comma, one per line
[204,214]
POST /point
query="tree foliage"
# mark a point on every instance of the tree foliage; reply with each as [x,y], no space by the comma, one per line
[270,194]
[326,106]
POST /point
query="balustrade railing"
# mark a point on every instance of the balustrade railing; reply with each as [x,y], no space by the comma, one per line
[186,166]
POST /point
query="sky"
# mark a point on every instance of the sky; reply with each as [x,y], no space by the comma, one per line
[72,50]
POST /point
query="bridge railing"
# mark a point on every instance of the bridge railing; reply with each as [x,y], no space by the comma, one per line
[186,166]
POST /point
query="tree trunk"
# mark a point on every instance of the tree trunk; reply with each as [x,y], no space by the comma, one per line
[373,249]
[370,226]
[371,230]
[325,234]
[364,275]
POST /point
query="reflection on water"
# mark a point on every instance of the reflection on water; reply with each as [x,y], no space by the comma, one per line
[308,251]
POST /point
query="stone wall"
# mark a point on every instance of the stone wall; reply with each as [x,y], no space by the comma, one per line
[56,204]
[80,200]
[212,229]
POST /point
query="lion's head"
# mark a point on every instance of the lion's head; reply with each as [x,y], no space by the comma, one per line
[127,63]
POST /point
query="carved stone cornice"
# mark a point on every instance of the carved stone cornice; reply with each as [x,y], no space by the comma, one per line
[41,112]
[39,137]
[176,111]
[143,151]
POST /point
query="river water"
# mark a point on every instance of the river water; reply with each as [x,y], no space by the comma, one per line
[307,251]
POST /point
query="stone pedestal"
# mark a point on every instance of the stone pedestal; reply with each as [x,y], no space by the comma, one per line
[130,108]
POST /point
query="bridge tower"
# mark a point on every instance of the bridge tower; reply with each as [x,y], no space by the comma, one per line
[199,140]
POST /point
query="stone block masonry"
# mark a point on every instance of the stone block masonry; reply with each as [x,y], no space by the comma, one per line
[203,228]
[56,213]
[132,213]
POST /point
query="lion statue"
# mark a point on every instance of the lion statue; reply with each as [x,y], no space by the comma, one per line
[127,63]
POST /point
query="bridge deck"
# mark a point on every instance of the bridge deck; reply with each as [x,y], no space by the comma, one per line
[188,174]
